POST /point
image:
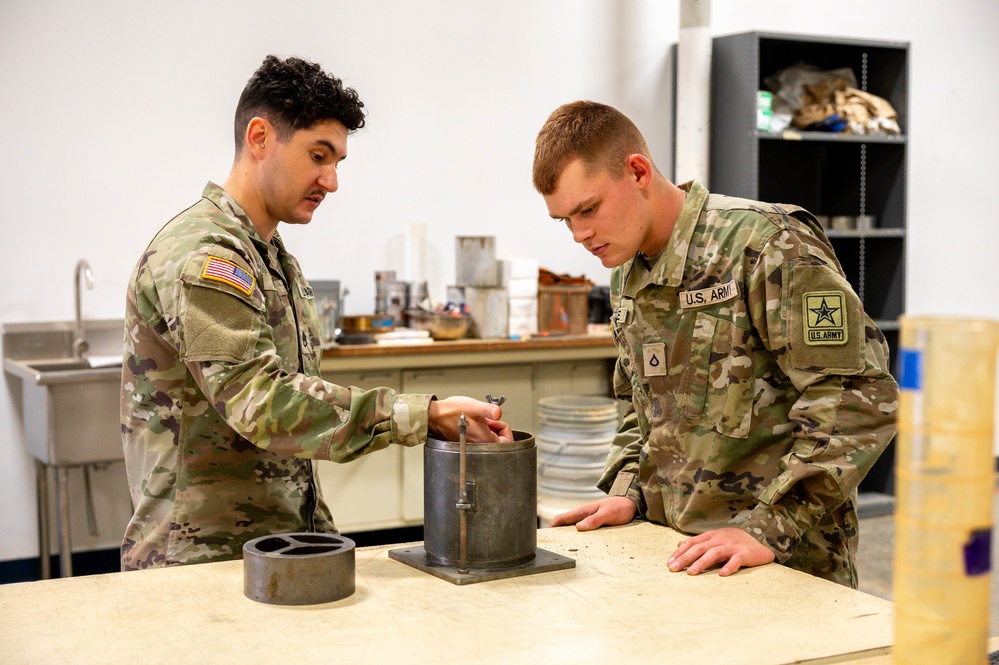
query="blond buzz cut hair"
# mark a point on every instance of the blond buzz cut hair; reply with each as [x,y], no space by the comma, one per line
[600,135]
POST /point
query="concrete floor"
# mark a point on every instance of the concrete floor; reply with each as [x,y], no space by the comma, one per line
[874,560]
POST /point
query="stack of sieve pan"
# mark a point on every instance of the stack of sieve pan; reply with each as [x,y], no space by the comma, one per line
[574,436]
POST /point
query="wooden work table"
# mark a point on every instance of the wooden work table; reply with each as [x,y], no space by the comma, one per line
[619,604]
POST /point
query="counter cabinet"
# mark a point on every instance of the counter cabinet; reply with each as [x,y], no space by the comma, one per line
[384,490]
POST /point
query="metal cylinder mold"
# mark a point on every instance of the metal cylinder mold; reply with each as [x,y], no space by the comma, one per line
[298,568]
[501,491]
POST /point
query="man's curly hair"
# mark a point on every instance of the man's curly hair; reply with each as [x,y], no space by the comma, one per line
[295,94]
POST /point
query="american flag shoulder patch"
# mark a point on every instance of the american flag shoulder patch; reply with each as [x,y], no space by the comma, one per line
[229,273]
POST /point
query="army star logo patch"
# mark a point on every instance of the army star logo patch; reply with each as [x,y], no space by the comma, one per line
[824,313]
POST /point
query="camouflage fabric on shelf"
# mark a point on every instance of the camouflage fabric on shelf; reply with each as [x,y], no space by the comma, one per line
[222,407]
[760,388]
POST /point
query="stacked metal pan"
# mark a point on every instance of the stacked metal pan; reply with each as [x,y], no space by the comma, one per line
[574,436]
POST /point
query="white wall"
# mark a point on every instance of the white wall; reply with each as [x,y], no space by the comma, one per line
[114,114]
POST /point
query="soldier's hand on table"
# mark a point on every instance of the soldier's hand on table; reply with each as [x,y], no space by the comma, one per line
[731,546]
[609,511]
[484,424]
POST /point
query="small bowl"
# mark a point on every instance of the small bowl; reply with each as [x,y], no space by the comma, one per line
[366,323]
[440,326]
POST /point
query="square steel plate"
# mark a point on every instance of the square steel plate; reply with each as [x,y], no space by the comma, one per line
[543,562]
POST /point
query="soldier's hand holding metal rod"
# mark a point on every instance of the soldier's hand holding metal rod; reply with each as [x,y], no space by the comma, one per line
[484,424]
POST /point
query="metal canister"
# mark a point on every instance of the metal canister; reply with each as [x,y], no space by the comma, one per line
[501,510]
[475,261]
[298,568]
[383,278]
[397,302]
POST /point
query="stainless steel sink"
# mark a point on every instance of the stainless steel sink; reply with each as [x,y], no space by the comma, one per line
[46,366]
[70,408]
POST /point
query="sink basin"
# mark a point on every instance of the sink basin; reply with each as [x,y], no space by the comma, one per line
[51,371]
[70,410]
[44,366]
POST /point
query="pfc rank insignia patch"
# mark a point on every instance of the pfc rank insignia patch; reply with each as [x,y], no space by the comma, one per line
[655,359]
[824,314]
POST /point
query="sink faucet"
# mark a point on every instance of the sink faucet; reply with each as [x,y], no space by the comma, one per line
[79,343]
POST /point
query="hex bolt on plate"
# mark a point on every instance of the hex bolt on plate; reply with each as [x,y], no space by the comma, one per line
[298,568]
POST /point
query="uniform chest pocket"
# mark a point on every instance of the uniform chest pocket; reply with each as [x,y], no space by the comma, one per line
[281,319]
[310,330]
[720,377]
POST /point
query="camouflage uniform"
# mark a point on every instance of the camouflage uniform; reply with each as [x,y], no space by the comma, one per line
[759,387]
[222,406]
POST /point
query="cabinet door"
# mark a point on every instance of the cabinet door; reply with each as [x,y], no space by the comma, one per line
[581,377]
[367,493]
[412,485]
[516,382]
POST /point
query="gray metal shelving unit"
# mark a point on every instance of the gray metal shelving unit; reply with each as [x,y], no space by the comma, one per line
[826,173]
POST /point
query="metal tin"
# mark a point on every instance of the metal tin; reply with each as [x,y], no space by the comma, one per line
[475,261]
[866,222]
[489,308]
[842,222]
[298,568]
[327,293]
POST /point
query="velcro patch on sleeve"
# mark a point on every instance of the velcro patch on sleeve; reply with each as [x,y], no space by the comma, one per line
[217,327]
[622,483]
[227,272]
[825,320]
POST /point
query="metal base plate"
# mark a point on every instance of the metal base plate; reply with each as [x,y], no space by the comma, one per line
[544,561]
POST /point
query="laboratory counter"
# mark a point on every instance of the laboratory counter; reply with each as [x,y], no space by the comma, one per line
[469,352]
[618,604]
[523,370]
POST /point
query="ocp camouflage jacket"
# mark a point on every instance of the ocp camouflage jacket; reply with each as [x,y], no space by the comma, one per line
[760,388]
[222,406]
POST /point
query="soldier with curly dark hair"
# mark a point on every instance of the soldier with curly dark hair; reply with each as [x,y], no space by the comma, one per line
[223,408]
[295,94]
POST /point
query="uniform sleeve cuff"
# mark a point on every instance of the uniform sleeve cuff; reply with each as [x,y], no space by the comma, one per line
[410,416]
[626,484]
[772,528]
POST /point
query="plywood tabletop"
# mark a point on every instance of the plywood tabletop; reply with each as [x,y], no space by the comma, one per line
[620,603]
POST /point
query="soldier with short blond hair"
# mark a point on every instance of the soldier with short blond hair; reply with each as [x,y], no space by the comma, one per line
[759,388]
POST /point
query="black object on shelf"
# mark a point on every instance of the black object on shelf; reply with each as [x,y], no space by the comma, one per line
[599,305]
[826,173]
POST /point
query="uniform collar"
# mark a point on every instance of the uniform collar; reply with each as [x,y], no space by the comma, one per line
[228,205]
[667,268]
